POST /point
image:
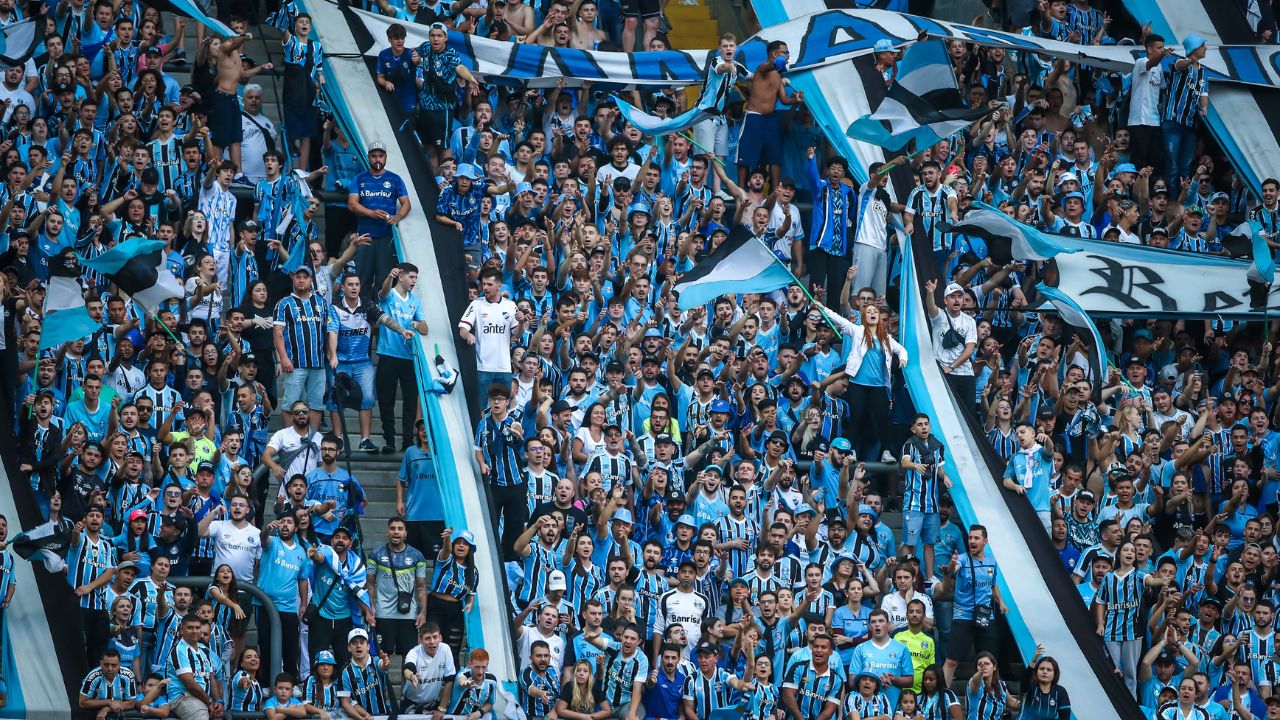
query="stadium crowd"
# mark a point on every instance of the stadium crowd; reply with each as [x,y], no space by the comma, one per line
[691,506]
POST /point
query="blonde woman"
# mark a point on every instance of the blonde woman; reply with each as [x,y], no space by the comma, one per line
[579,699]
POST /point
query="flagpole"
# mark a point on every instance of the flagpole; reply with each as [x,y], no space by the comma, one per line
[708,152]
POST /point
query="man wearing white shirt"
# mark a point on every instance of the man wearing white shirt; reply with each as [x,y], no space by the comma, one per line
[1146,141]
[955,336]
[260,135]
[236,541]
[788,245]
[14,94]
[428,672]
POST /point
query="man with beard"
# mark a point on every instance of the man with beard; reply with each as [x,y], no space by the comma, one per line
[339,577]
[333,487]
[297,443]
[379,200]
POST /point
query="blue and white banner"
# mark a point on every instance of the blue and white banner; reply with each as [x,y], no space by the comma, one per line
[1006,238]
[18,42]
[190,9]
[711,103]
[815,40]
[1116,279]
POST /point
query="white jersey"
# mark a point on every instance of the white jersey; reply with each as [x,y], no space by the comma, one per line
[688,609]
[432,671]
[286,440]
[238,547]
[492,324]
[529,636]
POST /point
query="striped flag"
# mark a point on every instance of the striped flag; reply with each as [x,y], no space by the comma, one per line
[18,42]
[137,266]
[1075,316]
[711,103]
[923,105]
[47,543]
[1248,239]
[65,316]
[742,264]
[190,9]
[1006,238]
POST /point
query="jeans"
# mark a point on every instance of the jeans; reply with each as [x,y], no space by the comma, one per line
[1125,654]
[1179,150]
[362,373]
[484,379]
[873,267]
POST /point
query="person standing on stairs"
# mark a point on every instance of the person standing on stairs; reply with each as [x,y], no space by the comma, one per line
[396,353]
[398,586]
[283,574]
[422,510]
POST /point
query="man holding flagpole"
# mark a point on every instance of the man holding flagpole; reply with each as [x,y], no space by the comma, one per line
[834,205]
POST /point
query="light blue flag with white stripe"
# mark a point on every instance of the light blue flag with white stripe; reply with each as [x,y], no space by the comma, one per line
[1005,237]
[711,103]
[1074,315]
[742,264]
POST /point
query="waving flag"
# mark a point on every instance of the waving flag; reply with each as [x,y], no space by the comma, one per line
[1006,238]
[47,543]
[742,264]
[1247,239]
[65,316]
[137,266]
[923,105]
[18,42]
[1075,316]
[190,9]
[711,103]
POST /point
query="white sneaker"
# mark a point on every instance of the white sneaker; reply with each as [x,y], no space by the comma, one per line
[886,457]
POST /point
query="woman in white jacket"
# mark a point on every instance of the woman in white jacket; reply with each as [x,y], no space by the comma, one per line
[870,374]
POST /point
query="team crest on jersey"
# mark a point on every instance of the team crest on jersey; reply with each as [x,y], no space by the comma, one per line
[386,183]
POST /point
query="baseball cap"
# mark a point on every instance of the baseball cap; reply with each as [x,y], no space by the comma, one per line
[1158,230]
[376,146]
[708,648]
[324,657]
[127,565]
[359,633]
[344,530]
[884,45]
[1191,43]
[803,508]
[842,444]
[1133,360]
[779,435]
[819,445]
[952,289]
[1124,168]
[560,406]
[249,225]
[465,536]
[622,515]
[1073,196]
[138,514]
[720,405]
[1086,495]
[1067,176]
[556,581]
[1144,334]
[1165,658]
[865,509]
[524,187]
[249,358]
[304,269]
[664,438]
[1219,196]
[687,519]
[204,466]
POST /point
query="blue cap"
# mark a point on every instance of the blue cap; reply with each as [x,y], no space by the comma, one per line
[687,519]
[720,405]
[465,536]
[324,657]
[622,515]
[468,171]
[801,378]
[865,509]
[524,187]
[636,207]
[714,227]
[841,444]
[1072,196]
[884,45]
[1191,43]
[803,508]
[1124,168]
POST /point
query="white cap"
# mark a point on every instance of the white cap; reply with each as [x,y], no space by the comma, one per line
[357,633]
[952,289]
[556,581]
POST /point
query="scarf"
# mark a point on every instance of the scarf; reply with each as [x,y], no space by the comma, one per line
[1030,464]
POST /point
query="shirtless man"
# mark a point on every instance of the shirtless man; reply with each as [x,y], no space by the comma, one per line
[586,36]
[224,109]
[761,139]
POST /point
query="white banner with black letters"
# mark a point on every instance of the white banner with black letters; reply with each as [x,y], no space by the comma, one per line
[1109,279]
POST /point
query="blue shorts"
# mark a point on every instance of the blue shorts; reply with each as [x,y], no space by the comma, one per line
[362,373]
[225,128]
[761,140]
[917,526]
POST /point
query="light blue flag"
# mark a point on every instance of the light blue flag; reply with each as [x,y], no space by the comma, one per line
[1075,316]
[711,103]
[742,264]
[1005,237]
